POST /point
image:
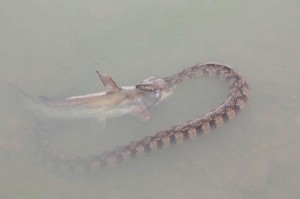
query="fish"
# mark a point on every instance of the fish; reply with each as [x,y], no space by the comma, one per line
[114,101]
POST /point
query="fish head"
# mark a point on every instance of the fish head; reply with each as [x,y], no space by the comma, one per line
[160,88]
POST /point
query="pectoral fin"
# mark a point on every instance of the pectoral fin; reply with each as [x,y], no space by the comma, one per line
[109,84]
[141,111]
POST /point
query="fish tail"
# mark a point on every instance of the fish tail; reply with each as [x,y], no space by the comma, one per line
[23,93]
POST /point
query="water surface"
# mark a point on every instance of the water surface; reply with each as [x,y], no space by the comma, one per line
[54,47]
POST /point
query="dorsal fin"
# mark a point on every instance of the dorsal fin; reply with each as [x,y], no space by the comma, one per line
[109,84]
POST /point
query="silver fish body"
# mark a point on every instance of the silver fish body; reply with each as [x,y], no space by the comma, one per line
[113,102]
[98,105]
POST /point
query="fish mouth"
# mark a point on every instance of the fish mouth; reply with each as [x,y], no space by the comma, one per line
[157,85]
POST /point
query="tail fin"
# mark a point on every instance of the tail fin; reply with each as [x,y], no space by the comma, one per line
[23,93]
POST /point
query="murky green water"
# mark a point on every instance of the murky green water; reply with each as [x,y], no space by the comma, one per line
[54,47]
